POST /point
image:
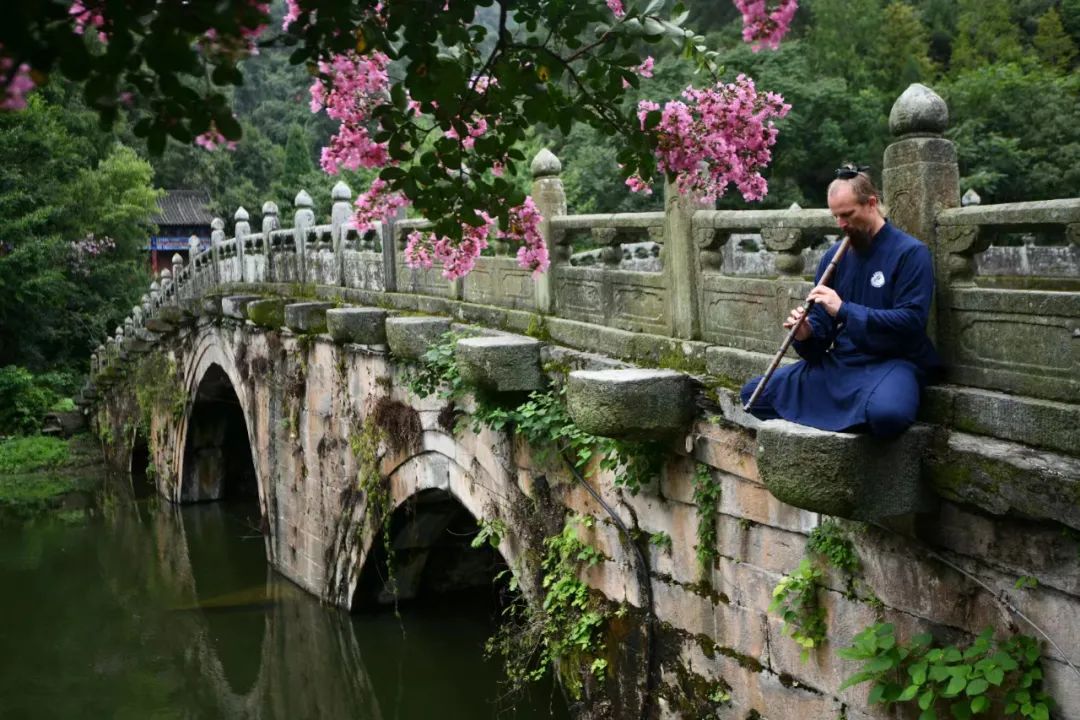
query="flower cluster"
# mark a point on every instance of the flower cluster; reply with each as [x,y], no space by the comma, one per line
[645,70]
[375,204]
[358,83]
[616,8]
[525,229]
[292,13]
[85,250]
[457,260]
[18,83]
[719,136]
[212,140]
[87,15]
[762,27]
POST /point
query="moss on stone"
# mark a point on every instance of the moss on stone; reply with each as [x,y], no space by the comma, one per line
[269,313]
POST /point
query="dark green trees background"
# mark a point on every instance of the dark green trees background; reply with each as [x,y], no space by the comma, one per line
[1008,70]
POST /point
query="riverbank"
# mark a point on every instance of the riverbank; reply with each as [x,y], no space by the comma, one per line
[39,473]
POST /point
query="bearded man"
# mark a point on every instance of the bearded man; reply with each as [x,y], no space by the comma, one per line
[865,352]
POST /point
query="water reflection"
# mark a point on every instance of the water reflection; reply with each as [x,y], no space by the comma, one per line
[146,611]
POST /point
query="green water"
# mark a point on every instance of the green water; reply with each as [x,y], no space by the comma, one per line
[135,609]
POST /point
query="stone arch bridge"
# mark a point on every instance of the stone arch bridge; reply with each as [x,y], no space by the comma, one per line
[293,366]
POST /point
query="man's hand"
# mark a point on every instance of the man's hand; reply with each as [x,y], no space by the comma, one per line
[804,330]
[827,298]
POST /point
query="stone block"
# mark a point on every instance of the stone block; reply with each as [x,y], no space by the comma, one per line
[1040,423]
[410,337]
[631,403]
[307,317]
[235,306]
[363,326]
[734,367]
[502,363]
[269,313]
[210,306]
[859,477]
[1007,478]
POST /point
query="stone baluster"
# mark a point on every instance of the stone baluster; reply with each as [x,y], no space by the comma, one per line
[270,223]
[682,267]
[178,281]
[340,213]
[94,366]
[303,220]
[921,178]
[118,340]
[193,269]
[241,229]
[155,294]
[550,198]
[217,237]
[165,279]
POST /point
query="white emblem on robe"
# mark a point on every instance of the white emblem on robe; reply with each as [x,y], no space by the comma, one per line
[877,279]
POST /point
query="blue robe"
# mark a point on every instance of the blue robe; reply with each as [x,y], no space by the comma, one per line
[864,368]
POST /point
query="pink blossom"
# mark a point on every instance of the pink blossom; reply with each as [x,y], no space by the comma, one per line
[377,203]
[292,13]
[645,70]
[214,140]
[720,136]
[14,96]
[762,27]
[524,228]
[349,88]
[616,8]
[87,17]
[457,260]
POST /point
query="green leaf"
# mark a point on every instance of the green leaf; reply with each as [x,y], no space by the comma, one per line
[980,704]
[977,687]
[927,699]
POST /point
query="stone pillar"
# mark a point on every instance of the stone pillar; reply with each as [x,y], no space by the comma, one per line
[166,285]
[270,223]
[340,213]
[389,249]
[241,229]
[550,198]
[303,220]
[682,268]
[920,175]
[217,236]
[93,365]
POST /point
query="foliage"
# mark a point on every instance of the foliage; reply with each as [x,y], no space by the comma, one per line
[706,496]
[437,370]
[1026,582]
[830,541]
[158,388]
[565,631]
[795,599]
[983,678]
[491,534]
[25,398]
[31,453]
[661,540]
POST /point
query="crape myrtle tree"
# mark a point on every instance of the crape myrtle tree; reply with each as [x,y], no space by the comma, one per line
[436,95]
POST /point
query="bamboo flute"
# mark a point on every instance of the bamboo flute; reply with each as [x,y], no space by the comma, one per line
[825,278]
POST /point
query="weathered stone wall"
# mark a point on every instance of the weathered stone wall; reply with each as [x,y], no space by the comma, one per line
[305,398]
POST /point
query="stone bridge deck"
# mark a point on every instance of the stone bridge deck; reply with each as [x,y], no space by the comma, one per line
[288,365]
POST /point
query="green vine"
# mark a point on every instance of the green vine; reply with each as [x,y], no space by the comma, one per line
[491,534]
[158,388]
[365,448]
[437,370]
[795,599]
[566,630]
[982,678]
[706,497]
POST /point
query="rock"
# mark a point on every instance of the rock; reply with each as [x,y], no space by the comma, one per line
[364,326]
[410,337]
[630,403]
[307,317]
[859,477]
[502,363]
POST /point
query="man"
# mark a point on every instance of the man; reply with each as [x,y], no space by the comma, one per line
[865,351]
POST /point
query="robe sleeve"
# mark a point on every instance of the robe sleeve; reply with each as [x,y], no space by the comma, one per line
[895,330]
[813,348]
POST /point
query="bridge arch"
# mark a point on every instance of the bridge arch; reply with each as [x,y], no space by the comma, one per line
[216,436]
[437,505]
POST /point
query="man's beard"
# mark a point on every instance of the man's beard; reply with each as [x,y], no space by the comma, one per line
[860,239]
